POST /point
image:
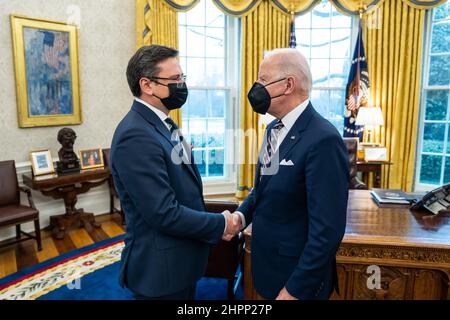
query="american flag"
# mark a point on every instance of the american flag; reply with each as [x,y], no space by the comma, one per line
[293,40]
[357,90]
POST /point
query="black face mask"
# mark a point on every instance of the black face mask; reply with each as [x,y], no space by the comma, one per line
[178,94]
[260,98]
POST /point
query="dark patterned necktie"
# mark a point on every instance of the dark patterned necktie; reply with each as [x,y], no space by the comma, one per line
[272,142]
[175,133]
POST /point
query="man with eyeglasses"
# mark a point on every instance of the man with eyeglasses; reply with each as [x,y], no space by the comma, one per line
[168,232]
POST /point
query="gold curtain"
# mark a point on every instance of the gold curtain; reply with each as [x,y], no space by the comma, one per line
[237,8]
[157,23]
[181,5]
[394,42]
[265,28]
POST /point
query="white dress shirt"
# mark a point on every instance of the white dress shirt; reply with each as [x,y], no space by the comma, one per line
[162,116]
[288,122]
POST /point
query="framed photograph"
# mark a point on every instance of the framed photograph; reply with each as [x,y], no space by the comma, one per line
[375,154]
[41,162]
[91,158]
[46,70]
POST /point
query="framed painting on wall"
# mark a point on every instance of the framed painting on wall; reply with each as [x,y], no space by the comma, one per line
[46,70]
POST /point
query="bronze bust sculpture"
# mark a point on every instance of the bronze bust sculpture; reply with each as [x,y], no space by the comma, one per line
[68,160]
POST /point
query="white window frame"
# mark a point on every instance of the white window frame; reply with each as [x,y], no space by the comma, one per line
[227,184]
[353,37]
[423,187]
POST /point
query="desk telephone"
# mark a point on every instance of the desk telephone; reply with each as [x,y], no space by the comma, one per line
[434,201]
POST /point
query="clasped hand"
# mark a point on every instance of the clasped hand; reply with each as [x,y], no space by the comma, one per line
[234,225]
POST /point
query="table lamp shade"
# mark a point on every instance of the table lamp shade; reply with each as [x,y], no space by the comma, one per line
[369,116]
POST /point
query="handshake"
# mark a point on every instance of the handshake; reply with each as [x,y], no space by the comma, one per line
[233,225]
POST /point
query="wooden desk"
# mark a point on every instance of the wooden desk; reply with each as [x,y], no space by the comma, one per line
[411,248]
[67,187]
[374,167]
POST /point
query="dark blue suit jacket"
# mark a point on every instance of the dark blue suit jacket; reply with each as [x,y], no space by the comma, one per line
[299,213]
[168,233]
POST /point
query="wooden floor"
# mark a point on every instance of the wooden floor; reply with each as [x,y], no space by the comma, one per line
[25,254]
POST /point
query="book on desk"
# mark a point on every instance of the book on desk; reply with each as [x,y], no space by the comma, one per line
[394,197]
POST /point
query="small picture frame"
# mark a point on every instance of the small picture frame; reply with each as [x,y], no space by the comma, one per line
[375,154]
[41,162]
[91,158]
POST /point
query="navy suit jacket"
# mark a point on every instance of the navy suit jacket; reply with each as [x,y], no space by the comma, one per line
[299,213]
[168,232]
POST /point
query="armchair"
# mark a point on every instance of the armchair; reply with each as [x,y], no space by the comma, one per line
[12,213]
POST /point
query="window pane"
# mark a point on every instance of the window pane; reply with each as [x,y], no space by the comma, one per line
[447,170]
[200,161]
[215,42]
[197,106]
[433,137]
[326,43]
[214,17]
[336,111]
[321,101]
[215,72]
[320,71]
[303,37]
[436,104]
[320,43]
[217,100]
[216,163]
[203,58]
[321,15]
[197,133]
[339,20]
[196,42]
[340,43]
[439,70]
[196,16]
[182,39]
[195,70]
[442,12]
[183,65]
[430,170]
[216,133]
[448,143]
[303,21]
[440,39]
[339,69]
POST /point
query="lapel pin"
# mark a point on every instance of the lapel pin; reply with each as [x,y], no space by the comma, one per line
[292,137]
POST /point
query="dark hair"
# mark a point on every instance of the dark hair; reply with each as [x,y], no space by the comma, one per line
[144,63]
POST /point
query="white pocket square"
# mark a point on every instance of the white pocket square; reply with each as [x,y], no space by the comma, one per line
[286,163]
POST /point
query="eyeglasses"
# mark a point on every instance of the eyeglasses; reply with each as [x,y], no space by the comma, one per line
[178,77]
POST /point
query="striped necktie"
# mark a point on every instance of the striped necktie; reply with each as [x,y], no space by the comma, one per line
[272,141]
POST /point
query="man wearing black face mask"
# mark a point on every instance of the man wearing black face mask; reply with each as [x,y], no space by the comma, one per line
[168,233]
[299,201]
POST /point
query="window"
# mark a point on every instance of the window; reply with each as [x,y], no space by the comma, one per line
[326,38]
[433,161]
[207,57]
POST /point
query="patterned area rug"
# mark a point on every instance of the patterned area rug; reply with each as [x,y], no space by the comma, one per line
[90,273]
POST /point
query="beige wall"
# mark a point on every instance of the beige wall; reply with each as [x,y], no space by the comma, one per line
[106,42]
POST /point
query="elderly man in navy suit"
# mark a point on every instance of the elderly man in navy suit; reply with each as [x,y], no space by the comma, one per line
[168,233]
[299,201]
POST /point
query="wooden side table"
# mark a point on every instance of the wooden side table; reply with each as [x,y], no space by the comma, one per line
[68,187]
[374,167]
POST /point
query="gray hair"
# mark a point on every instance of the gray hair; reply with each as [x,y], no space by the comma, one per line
[294,64]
